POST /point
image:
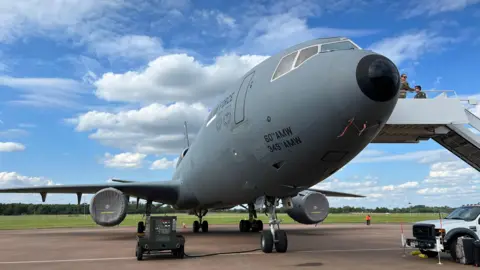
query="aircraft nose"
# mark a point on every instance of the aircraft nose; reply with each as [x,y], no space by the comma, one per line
[378,77]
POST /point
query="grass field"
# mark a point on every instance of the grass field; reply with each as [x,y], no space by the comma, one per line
[81,221]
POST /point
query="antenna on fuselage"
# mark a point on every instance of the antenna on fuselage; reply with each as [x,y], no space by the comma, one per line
[186,134]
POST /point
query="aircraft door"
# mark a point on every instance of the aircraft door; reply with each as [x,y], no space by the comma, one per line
[239,113]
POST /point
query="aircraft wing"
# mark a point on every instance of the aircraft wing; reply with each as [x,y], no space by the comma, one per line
[335,193]
[163,192]
[122,181]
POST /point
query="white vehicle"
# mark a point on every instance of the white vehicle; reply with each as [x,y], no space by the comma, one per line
[431,236]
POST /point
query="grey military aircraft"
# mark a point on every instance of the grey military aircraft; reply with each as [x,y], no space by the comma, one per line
[287,124]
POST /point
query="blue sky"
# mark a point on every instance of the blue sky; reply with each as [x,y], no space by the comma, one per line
[96,89]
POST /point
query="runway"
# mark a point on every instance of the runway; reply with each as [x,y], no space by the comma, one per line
[327,246]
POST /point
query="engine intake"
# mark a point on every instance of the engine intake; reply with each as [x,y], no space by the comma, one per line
[109,207]
[309,207]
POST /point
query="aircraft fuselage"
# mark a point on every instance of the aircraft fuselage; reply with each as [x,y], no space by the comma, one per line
[279,137]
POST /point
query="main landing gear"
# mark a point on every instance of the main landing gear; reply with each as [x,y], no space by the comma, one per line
[252,224]
[199,224]
[274,237]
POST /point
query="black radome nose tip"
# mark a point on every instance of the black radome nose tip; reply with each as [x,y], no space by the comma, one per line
[378,77]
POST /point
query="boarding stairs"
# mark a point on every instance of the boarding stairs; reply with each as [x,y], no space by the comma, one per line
[443,118]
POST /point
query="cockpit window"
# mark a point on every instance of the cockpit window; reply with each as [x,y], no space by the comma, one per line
[286,64]
[337,46]
[305,54]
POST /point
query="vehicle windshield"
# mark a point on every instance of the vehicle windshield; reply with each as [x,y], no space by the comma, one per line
[464,213]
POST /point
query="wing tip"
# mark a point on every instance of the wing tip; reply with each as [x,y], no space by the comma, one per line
[337,194]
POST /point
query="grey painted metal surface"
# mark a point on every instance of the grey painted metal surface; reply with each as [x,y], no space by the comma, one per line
[463,143]
[442,119]
[438,111]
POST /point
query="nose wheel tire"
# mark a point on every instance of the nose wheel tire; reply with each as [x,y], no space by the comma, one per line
[282,242]
[266,242]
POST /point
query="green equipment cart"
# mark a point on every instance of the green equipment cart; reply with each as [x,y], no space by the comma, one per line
[159,234]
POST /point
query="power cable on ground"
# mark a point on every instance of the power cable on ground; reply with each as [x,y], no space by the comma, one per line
[221,253]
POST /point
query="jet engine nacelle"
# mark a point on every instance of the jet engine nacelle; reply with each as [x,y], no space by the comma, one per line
[109,207]
[309,207]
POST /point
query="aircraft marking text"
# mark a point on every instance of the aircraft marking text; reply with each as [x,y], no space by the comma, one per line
[285,132]
[226,101]
[285,137]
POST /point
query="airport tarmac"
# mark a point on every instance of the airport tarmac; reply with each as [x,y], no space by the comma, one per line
[342,246]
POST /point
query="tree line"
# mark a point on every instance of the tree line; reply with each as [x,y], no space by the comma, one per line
[15,209]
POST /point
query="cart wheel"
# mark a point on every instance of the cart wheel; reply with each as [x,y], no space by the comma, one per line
[181,252]
[139,253]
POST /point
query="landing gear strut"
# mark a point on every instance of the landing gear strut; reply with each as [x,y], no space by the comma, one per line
[253,224]
[197,224]
[274,237]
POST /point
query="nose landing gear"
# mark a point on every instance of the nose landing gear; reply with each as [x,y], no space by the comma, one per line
[274,237]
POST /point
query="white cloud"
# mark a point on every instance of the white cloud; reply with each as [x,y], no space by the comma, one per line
[370,153]
[427,191]
[12,179]
[272,34]
[452,173]
[3,65]
[450,190]
[426,156]
[45,92]
[336,183]
[223,19]
[173,78]
[129,46]
[163,164]
[454,182]
[434,7]
[408,185]
[11,147]
[411,45]
[154,129]
[369,187]
[379,192]
[175,4]
[124,160]
[44,17]
[27,125]
[13,133]
[94,23]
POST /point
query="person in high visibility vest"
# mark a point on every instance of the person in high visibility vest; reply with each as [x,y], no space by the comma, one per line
[368,218]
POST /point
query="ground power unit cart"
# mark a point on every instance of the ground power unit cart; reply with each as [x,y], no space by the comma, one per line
[159,233]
